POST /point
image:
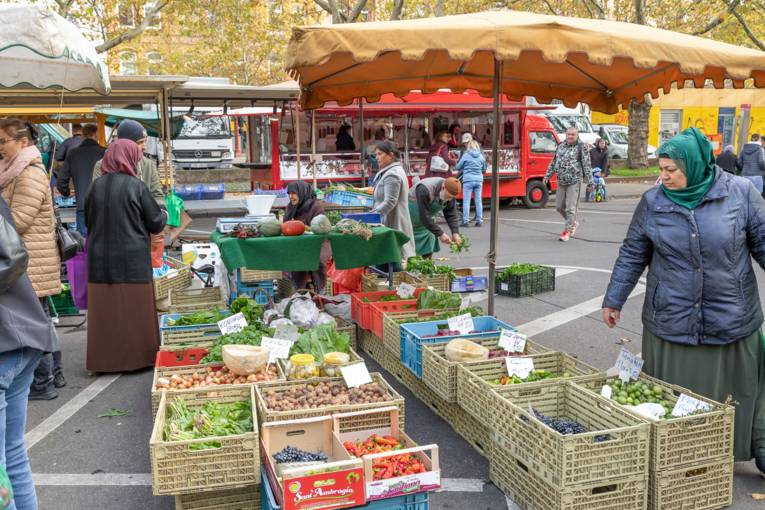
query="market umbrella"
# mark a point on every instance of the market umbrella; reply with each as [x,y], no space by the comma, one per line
[602,63]
[40,48]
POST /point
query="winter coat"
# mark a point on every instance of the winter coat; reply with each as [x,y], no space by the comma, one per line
[439,149]
[572,164]
[23,323]
[120,213]
[727,161]
[391,193]
[78,167]
[701,287]
[599,159]
[751,161]
[148,173]
[31,202]
[472,164]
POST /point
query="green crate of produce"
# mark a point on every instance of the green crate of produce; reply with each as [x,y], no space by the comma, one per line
[520,280]
[63,304]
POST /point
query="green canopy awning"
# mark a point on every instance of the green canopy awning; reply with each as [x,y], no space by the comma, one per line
[148,119]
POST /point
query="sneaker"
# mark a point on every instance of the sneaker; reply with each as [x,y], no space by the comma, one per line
[573,229]
[46,394]
[465,224]
[58,380]
[760,463]
[565,236]
[478,223]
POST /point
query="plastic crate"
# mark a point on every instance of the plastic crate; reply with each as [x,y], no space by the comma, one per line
[349,198]
[177,335]
[180,357]
[513,477]
[440,375]
[526,284]
[349,329]
[189,191]
[365,217]
[373,282]
[616,446]
[65,201]
[195,300]
[361,310]
[470,283]
[246,498]
[177,469]
[688,439]
[213,191]
[437,281]
[178,280]
[263,292]
[378,310]
[63,304]
[256,276]
[704,486]
[391,336]
[478,397]
[278,192]
[413,336]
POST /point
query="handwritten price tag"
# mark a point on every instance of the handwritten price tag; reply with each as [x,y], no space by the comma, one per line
[287,332]
[232,324]
[512,341]
[521,367]
[405,290]
[688,405]
[356,374]
[462,323]
[278,348]
[628,365]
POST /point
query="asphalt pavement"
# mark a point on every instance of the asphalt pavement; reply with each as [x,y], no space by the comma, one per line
[83,461]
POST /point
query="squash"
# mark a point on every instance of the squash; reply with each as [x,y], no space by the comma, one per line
[270,227]
[320,225]
[293,228]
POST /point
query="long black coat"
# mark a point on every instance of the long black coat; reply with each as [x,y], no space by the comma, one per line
[120,213]
[78,166]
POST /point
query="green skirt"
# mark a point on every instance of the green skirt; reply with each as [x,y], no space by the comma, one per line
[735,370]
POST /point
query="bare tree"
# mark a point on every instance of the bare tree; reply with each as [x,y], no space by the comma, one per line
[756,40]
[136,31]
[439,8]
[719,18]
[64,6]
[398,10]
[339,15]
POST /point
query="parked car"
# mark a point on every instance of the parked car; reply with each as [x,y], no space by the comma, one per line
[616,135]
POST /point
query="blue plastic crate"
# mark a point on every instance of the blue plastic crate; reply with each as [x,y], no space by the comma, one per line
[278,192]
[65,201]
[366,217]
[419,501]
[189,191]
[413,336]
[349,198]
[213,191]
[164,325]
[470,283]
[252,290]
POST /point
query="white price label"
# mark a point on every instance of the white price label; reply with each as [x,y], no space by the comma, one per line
[232,324]
[462,323]
[287,332]
[405,290]
[688,405]
[278,348]
[512,341]
[629,365]
[606,391]
[504,286]
[521,367]
[356,374]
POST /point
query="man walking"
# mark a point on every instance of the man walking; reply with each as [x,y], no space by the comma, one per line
[78,167]
[751,161]
[572,164]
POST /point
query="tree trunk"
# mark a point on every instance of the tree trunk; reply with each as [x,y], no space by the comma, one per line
[439,8]
[637,153]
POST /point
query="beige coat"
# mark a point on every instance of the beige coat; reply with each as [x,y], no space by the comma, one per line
[29,197]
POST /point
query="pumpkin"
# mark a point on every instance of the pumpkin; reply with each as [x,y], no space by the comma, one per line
[293,228]
[270,227]
[320,225]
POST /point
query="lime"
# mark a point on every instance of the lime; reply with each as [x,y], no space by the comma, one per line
[622,400]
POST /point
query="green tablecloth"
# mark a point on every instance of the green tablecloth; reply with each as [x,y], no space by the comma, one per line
[301,253]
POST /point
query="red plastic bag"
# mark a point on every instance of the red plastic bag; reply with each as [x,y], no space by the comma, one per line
[345,281]
[157,250]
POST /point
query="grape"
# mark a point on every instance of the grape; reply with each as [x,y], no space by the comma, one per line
[291,454]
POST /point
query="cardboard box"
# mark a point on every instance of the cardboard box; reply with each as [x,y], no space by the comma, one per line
[337,483]
[385,422]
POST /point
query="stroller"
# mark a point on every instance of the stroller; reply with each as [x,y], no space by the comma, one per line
[596,192]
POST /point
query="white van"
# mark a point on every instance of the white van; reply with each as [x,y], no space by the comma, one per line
[563,118]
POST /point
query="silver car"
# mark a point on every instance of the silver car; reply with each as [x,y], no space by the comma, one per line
[616,136]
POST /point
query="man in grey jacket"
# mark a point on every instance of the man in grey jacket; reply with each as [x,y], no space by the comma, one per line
[751,162]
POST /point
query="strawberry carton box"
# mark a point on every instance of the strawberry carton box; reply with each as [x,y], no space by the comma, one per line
[394,465]
[307,466]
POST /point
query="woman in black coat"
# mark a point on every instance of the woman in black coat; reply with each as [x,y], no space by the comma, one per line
[727,160]
[599,156]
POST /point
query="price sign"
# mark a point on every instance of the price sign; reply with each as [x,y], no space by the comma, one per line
[232,324]
[287,332]
[521,367]
[405,290]
[688,405]
[512,341]
[606,391]
[504,286]
[628,365]
[462,323]
[278,348]
[356,374]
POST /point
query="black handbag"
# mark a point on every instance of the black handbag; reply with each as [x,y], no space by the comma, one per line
[13,255]
[67,244]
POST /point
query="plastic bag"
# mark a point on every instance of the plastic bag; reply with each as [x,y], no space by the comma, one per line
[345,281]
[339,306]
[303,312]
[157,250]
[459,350]
[272,315]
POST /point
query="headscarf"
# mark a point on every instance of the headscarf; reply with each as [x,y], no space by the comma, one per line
[693,151]
[306,199]
[122,157]
[11,168]
[728,148]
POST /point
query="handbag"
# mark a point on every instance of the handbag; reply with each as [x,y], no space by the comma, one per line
[438,164]
[65,241]
[13,255]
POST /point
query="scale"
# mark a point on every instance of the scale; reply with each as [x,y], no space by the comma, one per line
[226,225]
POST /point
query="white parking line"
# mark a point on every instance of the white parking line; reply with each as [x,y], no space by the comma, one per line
[68,410]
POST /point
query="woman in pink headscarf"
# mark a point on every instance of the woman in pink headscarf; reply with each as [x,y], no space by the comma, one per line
[120,214]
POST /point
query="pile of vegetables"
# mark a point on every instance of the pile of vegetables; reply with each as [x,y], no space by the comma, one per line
[353,227]
[210,420]
[387,467]
[473,311]
[373,444]
[519,269]
[565,426]
[463,246]
[312,396]
[252,311]
[431,299]
[241,231]
[214,376]
[426,267]
[251,335]
[535,375]
[321,340]
[346,187]
[198,318]
[636,393]
[384,299]
[334,217]
[290,454]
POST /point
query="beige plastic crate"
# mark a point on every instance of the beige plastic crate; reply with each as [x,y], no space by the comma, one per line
[246,498]
[704,486]
[256,275]
[438,282]
[177,281]
[348,328]
[194,300]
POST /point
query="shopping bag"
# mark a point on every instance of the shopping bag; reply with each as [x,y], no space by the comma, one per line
[77,272]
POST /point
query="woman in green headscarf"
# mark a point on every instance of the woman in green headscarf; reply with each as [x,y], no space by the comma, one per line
[697,233]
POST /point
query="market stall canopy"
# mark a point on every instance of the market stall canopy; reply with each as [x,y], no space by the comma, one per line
[602,63]
[148,119]
[39,48]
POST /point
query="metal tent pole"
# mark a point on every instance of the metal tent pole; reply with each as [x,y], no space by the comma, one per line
[313,148]
[297,138]
[492,255]
[361,142]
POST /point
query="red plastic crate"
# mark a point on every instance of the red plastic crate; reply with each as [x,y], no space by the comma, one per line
[180,357]
[377,311]
[361,311]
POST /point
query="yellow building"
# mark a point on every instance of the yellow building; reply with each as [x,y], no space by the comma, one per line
[713,111]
